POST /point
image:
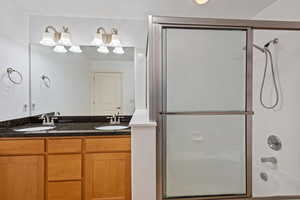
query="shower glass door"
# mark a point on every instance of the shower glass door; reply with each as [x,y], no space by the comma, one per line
[203,113]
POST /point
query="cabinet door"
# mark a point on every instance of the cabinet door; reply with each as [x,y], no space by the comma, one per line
[108,176]
[64,167]
[22,177]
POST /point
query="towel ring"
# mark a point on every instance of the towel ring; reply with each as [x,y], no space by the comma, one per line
[46,81]
[10,71]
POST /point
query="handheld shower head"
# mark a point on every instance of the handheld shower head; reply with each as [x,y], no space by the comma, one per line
[274,41]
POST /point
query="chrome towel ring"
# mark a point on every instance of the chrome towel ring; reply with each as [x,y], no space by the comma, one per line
[46,80]
[10,71]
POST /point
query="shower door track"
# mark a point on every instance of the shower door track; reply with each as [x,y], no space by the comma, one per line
[156,103]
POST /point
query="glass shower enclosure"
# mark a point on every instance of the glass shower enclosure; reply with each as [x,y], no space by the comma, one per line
[200,74]
[205,71]
[204,110]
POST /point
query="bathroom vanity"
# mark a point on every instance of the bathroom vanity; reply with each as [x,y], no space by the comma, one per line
[74,142]
[71,162]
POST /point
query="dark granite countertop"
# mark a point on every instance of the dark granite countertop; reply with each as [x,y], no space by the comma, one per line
[64,129]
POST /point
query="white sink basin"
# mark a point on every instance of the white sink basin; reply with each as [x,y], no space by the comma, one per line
[110,128]
[32,129]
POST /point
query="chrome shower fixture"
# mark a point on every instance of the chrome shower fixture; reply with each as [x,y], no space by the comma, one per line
[274,41]
[259,48]
[269,58]
[263,49]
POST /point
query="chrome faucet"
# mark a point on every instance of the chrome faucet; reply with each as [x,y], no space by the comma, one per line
[272,160]
[48,120]
[115,118]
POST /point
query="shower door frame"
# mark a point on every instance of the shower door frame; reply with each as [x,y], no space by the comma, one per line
[156,100]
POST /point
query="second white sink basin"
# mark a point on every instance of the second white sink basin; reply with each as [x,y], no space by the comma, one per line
[110,128]
[32,129]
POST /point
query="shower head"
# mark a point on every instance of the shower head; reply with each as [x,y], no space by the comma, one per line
[274,41]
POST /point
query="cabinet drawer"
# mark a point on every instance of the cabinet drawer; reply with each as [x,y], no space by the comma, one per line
[64,190]
[64,167]
[21,147]
[64,145]
[108,144]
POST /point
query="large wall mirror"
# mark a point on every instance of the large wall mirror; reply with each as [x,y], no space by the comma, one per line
[81,84]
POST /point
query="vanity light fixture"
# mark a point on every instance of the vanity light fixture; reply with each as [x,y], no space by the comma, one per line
[118,50]
[48,39]
[98,40]
[75,49]
[60,49]
[65,37]
[115,41]
[102,39]
[52,37]
[103,49]
[200,2]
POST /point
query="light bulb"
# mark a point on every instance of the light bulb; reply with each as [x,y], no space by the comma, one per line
[48,39]
[115,41]
[65,39]
[103,49]
[118,50]
[60,49]
[97,41]
[201,1]
[75,49]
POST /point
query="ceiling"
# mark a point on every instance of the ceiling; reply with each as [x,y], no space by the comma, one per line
[139,9]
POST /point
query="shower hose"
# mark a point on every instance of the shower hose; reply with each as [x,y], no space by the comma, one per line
[268,55]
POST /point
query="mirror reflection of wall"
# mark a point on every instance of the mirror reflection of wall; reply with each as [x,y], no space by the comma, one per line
[89,83]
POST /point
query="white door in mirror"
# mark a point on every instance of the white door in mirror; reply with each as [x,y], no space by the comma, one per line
[111,128]
[107,93]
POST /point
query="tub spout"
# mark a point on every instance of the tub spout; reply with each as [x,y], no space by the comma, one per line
[272,160]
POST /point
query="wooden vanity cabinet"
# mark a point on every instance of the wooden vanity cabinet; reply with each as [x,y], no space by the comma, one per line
[108,169]
[108,176]
[22,169]
[69,168]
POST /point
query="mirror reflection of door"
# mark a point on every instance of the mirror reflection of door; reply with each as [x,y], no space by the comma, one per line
[107,93]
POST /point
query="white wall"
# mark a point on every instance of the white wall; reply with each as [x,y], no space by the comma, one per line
[126,68]
[70,82]
[13,52]
[284,179]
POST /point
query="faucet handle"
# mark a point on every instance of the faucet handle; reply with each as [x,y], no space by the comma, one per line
[121,117]
[42,116]
[111,118]
[57,114]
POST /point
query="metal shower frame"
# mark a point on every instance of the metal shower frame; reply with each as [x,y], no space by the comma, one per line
[156,100]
